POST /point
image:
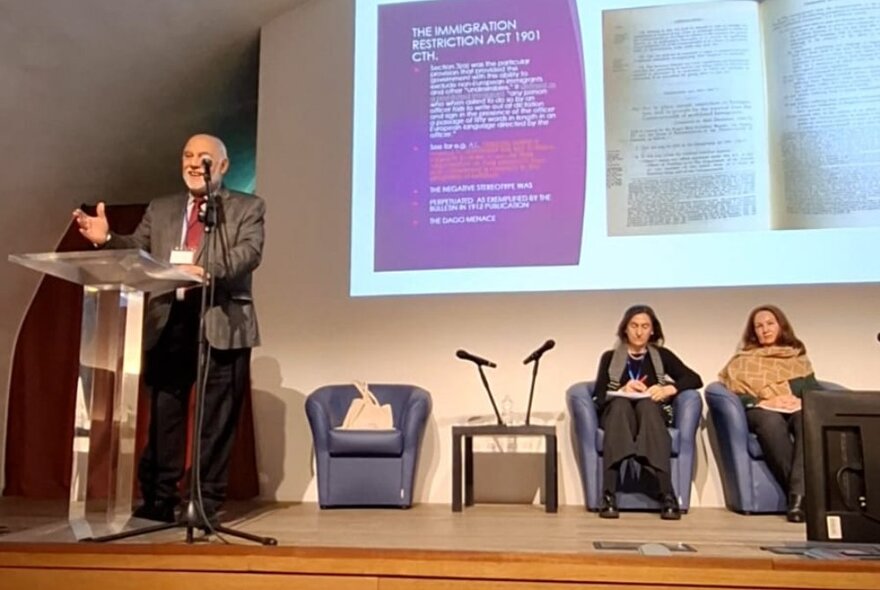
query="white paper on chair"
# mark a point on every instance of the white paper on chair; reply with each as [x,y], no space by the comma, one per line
[628,394]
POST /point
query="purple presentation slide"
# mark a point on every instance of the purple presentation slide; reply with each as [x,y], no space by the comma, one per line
[481,135]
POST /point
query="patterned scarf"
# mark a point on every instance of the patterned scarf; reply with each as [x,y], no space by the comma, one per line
[765,372]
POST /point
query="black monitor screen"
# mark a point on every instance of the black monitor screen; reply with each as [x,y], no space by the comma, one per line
[842,461]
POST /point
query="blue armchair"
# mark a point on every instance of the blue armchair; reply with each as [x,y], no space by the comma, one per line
[366,467]
[587,438]
[749,486]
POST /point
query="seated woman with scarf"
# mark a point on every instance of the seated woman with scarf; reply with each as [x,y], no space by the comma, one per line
[769,373]
[634,388]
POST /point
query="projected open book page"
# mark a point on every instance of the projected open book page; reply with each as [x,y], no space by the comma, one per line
[732,116]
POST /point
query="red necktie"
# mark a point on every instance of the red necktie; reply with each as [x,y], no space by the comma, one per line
[195,227]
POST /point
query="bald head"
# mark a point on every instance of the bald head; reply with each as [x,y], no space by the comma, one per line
[199,148]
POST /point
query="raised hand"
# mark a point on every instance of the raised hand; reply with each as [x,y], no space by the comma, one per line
[94,229]
[192,269]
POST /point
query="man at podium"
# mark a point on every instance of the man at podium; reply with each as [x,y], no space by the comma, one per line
[172,229]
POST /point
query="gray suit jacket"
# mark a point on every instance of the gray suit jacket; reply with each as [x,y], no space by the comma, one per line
[231,322]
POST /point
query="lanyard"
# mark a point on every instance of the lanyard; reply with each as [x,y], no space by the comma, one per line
[635,375]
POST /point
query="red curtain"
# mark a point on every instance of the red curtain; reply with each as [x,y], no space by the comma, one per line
[42,393]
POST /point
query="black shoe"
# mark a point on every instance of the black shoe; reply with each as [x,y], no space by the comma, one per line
[158,510]
[670,509]
[608,508]
[209,511]
[193,514]
[212,511]
[795,512]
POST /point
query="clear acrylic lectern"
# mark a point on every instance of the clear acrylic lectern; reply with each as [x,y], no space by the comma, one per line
[114,285]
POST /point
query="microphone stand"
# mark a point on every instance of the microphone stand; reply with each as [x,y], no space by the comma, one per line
[491,397]
[532,389]
[194,516]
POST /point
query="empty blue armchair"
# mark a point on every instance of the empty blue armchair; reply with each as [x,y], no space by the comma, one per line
[749,486]
[367,467]
[587,438]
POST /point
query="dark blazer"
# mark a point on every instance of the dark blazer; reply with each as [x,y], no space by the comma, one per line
[238,248]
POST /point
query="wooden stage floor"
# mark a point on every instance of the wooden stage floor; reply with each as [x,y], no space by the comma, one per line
[429,547]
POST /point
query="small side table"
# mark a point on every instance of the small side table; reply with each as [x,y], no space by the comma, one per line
[469,432]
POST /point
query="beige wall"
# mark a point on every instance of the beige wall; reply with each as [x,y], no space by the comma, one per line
[96,100]
[315,334]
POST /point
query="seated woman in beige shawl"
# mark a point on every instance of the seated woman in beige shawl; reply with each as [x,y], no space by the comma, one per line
[770,372]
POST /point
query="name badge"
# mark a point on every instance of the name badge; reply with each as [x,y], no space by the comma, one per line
[182,256]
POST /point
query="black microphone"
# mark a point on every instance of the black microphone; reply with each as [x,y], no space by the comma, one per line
[206,164]
[538,353]
[206,171]
[465,355]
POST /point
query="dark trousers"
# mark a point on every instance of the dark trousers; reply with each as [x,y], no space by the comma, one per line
[782,440]
[636,429]
[170,373]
